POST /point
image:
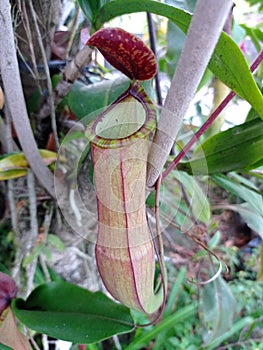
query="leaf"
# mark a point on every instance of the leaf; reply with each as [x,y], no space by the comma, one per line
[10,335]
[36,251]
[198,199]
[260,269]
[236,328]
[4,347]
[16,165]
[218,308]
[232,68]
[48,157]
[13,161]
[174,48]
[237,148]
[227,61]
[65,311]
[56,242]
[126,52]
[253,198]
[252,218]
[91,8]
[166,324]
[84,99]
[12,174]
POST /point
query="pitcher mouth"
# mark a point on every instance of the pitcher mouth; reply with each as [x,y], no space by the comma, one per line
[129,118]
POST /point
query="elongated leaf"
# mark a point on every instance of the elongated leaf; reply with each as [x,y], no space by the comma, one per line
[12,174]
[71,313]
[16,165]
[260,270]
[218,307]
[199,203]
[251,217]
[13,161]
[166,324]
[236,328]
[237,148]
[248,195]
[55,242]
[227,62]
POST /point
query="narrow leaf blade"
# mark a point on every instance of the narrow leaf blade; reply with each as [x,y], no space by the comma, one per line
[237,148]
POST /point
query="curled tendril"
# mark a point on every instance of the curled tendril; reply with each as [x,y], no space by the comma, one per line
[204,246]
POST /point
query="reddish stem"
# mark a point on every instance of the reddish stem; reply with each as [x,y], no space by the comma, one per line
[209,121]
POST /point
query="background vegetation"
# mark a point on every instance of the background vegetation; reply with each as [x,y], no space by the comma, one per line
[212,198]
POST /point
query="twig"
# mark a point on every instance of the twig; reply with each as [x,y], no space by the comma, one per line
[239,343]
[15,99]
[12,201]
[71,72]
[205,28]
[32,340]
[33,232]
[42,261]
[117,342]
[46,226]
[30,44]
[46,70]
[152,37]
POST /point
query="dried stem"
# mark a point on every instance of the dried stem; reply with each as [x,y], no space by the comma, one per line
[71,72]
[15,99]
[30,43]
[32,234]
[46,70]
[152,37]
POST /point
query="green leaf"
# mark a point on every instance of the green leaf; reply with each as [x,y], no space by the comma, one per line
[236,328]
[227,62]
[232,68]
[56,242]
[33,254]
[85,99]
[16,165]
[65,311]
[218,308]
[4,347]
[12,174]
[13,161]
[251,217]
[198,200]
[174,48]
[237,148]
[166,324]
[248,195]
[90,8]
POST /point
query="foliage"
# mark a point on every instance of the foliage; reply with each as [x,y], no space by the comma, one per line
[228,314]
[59,309]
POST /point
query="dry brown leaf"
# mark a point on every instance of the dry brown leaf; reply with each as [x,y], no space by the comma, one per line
[10,335]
